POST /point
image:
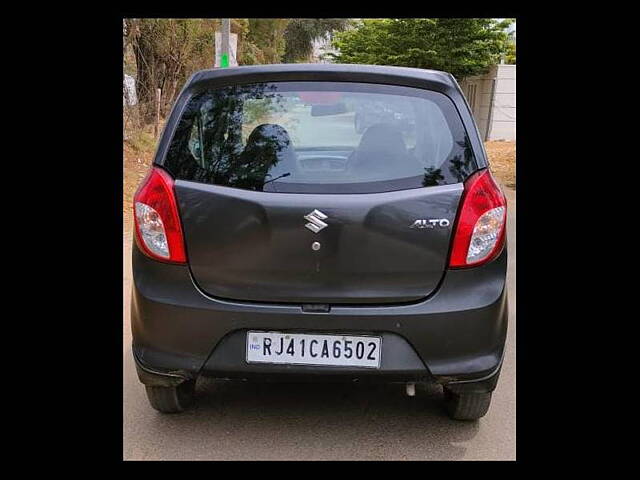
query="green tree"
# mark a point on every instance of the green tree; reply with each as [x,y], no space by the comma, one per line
[166,52]
[460,46]
[510,56]
[301,33]
[264,42]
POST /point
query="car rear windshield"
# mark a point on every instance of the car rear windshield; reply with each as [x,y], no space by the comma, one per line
[320,137]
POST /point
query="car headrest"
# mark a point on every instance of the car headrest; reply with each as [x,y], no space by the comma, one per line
[269,143]
[382,139]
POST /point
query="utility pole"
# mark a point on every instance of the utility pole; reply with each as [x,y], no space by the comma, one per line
[224,51]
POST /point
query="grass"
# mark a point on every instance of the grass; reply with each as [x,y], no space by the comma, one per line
[138,155]
[141,141]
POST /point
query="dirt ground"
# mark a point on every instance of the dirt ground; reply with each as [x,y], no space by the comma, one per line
[136,165]
[502,159]
[502,156]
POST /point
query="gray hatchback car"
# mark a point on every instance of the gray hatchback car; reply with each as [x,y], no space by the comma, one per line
[275,239]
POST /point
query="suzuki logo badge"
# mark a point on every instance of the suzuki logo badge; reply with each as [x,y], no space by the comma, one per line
[315,221]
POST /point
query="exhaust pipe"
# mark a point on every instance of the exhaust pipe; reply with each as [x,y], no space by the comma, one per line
[411,389]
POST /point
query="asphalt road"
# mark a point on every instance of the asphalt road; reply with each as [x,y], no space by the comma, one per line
[243,421]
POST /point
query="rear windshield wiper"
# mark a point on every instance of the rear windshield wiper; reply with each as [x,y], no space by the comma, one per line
[277,178]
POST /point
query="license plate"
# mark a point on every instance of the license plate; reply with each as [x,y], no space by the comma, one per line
[313,349]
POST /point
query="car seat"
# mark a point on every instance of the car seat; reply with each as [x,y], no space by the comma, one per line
[382,149]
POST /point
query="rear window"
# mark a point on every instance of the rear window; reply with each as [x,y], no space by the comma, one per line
[320,137]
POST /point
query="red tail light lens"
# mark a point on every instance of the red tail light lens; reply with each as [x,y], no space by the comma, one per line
[480,230]
[157,224]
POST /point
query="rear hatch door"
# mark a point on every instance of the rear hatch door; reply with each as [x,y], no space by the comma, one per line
[370,248]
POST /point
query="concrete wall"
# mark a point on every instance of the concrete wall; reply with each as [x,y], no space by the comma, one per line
[495,98]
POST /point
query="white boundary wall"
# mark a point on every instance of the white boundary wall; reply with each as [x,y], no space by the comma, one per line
[494,108]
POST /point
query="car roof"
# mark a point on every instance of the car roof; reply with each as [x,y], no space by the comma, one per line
[411,77]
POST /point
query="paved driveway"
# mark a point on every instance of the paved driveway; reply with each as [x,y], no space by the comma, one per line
[241,421]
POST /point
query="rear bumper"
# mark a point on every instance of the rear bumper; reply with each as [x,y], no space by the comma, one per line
[454,337]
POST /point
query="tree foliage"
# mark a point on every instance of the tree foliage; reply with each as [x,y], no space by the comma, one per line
[301,33]
[510,56]
[162,53]
[166,52]
[264,42]
[461,46]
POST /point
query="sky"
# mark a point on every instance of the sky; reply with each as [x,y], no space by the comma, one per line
[512,28]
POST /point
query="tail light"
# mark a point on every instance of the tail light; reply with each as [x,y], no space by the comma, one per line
[480,230]
[157,224]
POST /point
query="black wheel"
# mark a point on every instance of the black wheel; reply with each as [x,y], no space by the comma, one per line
[466,406]
[171,399]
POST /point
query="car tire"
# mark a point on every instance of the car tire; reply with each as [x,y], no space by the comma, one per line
[171,399]
[466,406]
